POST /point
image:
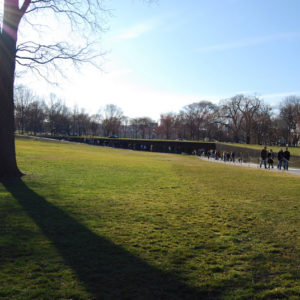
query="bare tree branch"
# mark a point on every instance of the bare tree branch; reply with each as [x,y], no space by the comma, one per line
[83,20]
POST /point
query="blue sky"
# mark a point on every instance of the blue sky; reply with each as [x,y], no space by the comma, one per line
[168,54]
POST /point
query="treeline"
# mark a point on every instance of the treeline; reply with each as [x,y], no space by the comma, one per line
[242,119]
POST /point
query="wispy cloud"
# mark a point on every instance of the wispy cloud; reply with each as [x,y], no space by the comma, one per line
[245,92]
[165,21]
[250,42]
[280,95]
[274,99]
[138,30]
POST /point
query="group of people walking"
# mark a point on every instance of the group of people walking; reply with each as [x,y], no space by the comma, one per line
[267,158]
[216,154]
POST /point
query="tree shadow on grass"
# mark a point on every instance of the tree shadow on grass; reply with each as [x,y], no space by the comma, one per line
[106,270]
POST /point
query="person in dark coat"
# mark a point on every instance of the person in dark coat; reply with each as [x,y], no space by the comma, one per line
[263,157]
[286,158]
[280,159]
[270,159]
[233,156]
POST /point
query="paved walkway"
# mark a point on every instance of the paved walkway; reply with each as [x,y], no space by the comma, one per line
[251,165]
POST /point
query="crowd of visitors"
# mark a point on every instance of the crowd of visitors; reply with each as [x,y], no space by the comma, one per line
[267,158]
[218,155]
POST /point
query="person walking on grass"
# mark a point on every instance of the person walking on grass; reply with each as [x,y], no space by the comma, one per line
[280,158]
[286,158]
[263,157]
[270,159]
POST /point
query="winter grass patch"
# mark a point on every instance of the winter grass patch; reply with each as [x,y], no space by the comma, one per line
[98,223]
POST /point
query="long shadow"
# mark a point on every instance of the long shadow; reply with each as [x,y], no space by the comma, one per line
[106,270]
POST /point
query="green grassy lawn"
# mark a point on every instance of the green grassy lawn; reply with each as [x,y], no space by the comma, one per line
[99,223]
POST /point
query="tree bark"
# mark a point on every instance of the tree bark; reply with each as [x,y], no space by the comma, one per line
[8,41]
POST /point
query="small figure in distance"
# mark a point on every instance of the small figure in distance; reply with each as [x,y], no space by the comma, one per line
[208,154]
[280,158]
[233,156]
[263,157]
[286,158]
[271,159]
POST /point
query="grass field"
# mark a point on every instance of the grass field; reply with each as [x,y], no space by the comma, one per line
[100,223]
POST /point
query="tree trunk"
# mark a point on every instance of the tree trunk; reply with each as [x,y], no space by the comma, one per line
[8,40]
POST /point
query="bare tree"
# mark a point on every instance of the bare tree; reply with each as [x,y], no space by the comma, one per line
[180,126]
[249,108]
[197,117]
[23,97]
[134,128]
[145,126]
[83,123]
[290,114]
[167,125]
[112,118]
[82,16]
[263,126]
[36,117]
[231,117]
[125,128]
[58,116]
[95,124]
